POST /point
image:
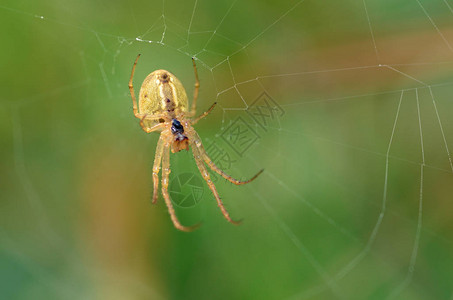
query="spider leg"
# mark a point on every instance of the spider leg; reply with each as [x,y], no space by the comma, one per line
[134,100]
[193,110]
[156,168]
[131,89]
[150,129]
[204,114]
[226,176]
[165,178]
[210,163]
[207,178]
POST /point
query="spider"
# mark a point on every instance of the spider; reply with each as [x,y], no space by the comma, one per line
[164,107]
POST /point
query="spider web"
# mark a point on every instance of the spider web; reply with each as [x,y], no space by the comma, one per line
[347,106]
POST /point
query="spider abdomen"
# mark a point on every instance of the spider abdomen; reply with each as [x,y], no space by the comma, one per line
[162,94]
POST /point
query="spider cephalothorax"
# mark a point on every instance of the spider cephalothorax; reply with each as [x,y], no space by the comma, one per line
[180,142]
[164,107]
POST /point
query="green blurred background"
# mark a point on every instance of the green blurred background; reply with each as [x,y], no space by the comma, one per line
[356,198]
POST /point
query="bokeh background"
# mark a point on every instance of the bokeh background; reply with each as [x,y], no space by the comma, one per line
[355,136]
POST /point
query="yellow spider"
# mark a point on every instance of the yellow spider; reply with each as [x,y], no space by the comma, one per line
[164,107]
